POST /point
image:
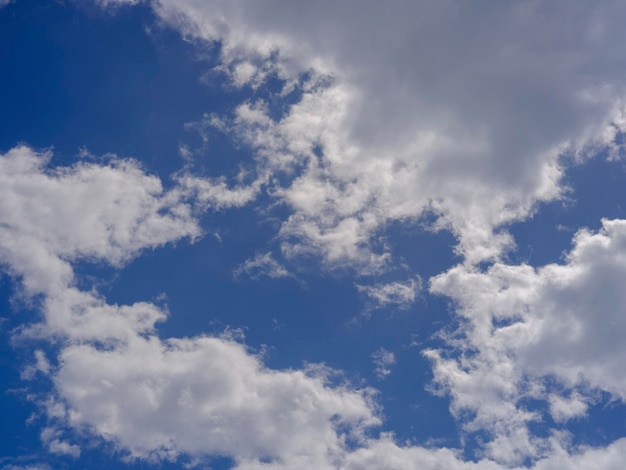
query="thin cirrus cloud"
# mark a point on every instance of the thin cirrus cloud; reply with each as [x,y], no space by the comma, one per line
[468,112]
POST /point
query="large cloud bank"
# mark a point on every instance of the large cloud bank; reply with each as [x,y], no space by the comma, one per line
[461,109]
[466,111]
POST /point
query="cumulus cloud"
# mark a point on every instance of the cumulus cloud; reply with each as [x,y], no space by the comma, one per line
[41,365]
[525,328]
[461,110]
[454,108]
[216,194]
[565,408]
[203,396]
[114,377]
[108,213]
[161,398]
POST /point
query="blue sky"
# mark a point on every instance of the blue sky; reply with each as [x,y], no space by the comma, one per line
[291,235]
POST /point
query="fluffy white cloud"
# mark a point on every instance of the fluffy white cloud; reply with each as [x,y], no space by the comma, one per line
[204,396]
[26,467]
[114,377]
[384,453]
[461,109]
[156,398]
[95,212]
[523,326]
[216,194]
[458,108]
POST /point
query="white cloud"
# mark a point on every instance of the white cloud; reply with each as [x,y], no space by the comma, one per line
[402,294]
[114,378]
[524,325]
[41,365]
[216,194]
[157,399]
[452,107]
[51,438]
[262,265]
[565,408]
[108,213]
[203,396]
[384,453]
[383,360]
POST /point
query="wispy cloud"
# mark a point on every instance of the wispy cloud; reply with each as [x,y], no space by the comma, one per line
[401,294]
[383,361]
[262,264]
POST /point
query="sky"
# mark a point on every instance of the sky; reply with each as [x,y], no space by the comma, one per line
[312,235]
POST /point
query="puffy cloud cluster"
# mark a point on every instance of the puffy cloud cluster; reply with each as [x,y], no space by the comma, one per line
[155,398]
[464,110]
[114,377]
[552,333]
[460,109]
[88,211]
[204,396]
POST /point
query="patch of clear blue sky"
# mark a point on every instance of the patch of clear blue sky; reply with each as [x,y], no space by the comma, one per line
[75,77]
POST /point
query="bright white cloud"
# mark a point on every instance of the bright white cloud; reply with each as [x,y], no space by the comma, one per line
[453,107]
[41,365]
[113,377]
[216,194]
[565,408]
[458,109]
[27,467]
[89,211]
[158,399]
[203,396]
[522,325]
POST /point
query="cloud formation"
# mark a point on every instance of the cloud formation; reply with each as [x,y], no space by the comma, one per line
[398,293]
[525,328]
[383,361]
[459,109]
[114,377]
[468,113]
